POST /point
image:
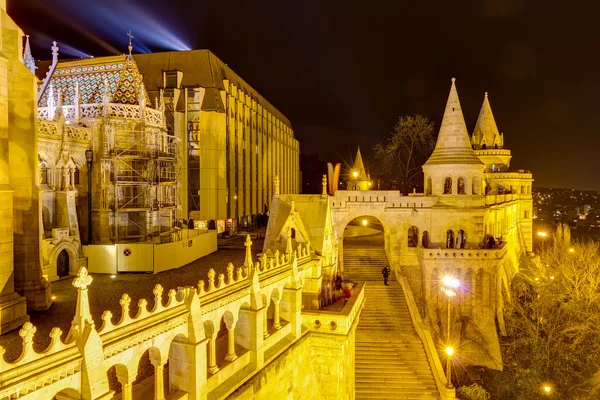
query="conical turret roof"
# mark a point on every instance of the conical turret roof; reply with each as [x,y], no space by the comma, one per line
[453,145]
[359,166]
[486,131]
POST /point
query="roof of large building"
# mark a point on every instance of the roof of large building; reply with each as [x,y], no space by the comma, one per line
[201,68]
[359,166]
[486,131]
[453,145]
[120,76]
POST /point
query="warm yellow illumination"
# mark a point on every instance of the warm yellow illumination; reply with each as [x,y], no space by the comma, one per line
[53,297]
[542,234]
[369,183]
[113,276]
[355,174]
[448,292]
[364,222]
[571,250]
[547,389]
[450,281]
[449,351]
[551,277]
[235,197]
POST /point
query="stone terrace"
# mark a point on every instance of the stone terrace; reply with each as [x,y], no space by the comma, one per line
[105,293]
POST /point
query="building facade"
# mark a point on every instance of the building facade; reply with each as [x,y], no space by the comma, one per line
[234,141]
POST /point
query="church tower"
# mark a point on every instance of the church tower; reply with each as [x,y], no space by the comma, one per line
[453,169]
[488,142]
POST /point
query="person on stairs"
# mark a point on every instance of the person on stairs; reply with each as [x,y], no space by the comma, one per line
[386,274]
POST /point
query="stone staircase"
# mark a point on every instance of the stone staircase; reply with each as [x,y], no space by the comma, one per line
[390,361]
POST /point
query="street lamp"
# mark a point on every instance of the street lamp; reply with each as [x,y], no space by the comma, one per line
[547,389]
[355,175]
[450,283]
[89,157]
[364,222]
[542,234]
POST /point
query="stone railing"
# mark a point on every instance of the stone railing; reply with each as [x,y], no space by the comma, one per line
[496,252]
[51,129]
[184,332]
[491,199]
[386,198]
[425,335]
[339,323]
[151,116]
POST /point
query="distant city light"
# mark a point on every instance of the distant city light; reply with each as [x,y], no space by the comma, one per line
[53,297]
[547,389]
[571,250]
[364,222]
[542,234]
[113,276]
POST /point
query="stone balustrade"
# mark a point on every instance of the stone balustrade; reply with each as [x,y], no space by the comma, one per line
[339,323]
[151,116]
[185,331]
[441,253]
[386,198]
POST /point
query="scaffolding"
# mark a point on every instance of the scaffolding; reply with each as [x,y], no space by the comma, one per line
[140,178]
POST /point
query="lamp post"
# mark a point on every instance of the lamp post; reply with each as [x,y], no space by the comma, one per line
[355,175]
[89,156]
[450,283]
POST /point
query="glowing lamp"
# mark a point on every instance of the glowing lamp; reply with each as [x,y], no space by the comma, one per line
[53,297]
[355,174]
[542,234]
[364,222]
[450,281]
[449,351]
[449,293]
[547,389]
[571,250]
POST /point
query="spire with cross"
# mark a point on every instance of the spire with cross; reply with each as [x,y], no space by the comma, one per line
[130,46]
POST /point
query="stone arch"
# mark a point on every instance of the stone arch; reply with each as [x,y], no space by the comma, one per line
[243,327]
[461,186]
[73,252]
[46,219]
[67,394]
[413,236]
[178,362]
[447,185]
[461,239]
[118,375]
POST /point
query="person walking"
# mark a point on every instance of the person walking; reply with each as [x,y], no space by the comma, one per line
[386,274]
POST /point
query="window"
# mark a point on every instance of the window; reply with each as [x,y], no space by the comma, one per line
[413,236]
[293,233]
[461,239]
[425,239]
[449,239]
[526,214]
[170,79]
[448,185]
[461,186]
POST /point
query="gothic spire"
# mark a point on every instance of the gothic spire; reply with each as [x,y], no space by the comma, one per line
[130,47]
[359,166]
[453,145]
[486,132]
[27,57]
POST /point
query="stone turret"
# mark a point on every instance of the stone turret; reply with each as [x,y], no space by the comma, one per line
[453,168]
[360,179]
[488,142]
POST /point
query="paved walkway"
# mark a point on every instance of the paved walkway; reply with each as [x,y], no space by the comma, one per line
[105,293]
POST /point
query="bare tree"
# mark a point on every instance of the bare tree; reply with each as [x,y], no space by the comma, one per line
[554,321]
[408,147]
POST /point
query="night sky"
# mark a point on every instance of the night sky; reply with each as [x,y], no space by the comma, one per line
[343,71]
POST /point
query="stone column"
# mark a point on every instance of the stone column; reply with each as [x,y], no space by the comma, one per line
[276,322]
[265,325]
[212,354]
[126,380]
[231,356]
[291,309]
[159,378]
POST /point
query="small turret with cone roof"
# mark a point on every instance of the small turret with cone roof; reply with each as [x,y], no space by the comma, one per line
[358,176]
[488,142]
[453,168]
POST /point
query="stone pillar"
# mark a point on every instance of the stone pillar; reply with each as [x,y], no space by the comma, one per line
[291,309]
[212,354]
[265,324]
[340,249]
[276,321]
[126,380]
[159,377]
[231,356]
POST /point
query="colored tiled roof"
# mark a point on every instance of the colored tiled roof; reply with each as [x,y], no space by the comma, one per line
[123,78]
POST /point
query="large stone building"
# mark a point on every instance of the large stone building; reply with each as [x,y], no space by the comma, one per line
[235,142]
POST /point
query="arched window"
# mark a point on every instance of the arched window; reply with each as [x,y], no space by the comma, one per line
[293,233]
[449,239]
[413,236]
[461,186]
[428,186]
[475,187]
[484,146]
[500,189]
[461,239]
[448,185]
[425,239]
[76,176]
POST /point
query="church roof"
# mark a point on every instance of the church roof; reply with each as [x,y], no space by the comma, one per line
[359,166]
[123,78]
[453,145]
[486,130]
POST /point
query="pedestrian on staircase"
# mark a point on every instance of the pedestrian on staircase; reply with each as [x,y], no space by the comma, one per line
[386,274]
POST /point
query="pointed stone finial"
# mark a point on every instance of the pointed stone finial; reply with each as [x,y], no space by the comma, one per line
[230,273]
[27,57]
[276,183]
[293,208]
[486,94]
[158,291]
[211,279]
[82,309]
[54,52]
[27,332]
[486,131]
[248,260]
[324,184]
